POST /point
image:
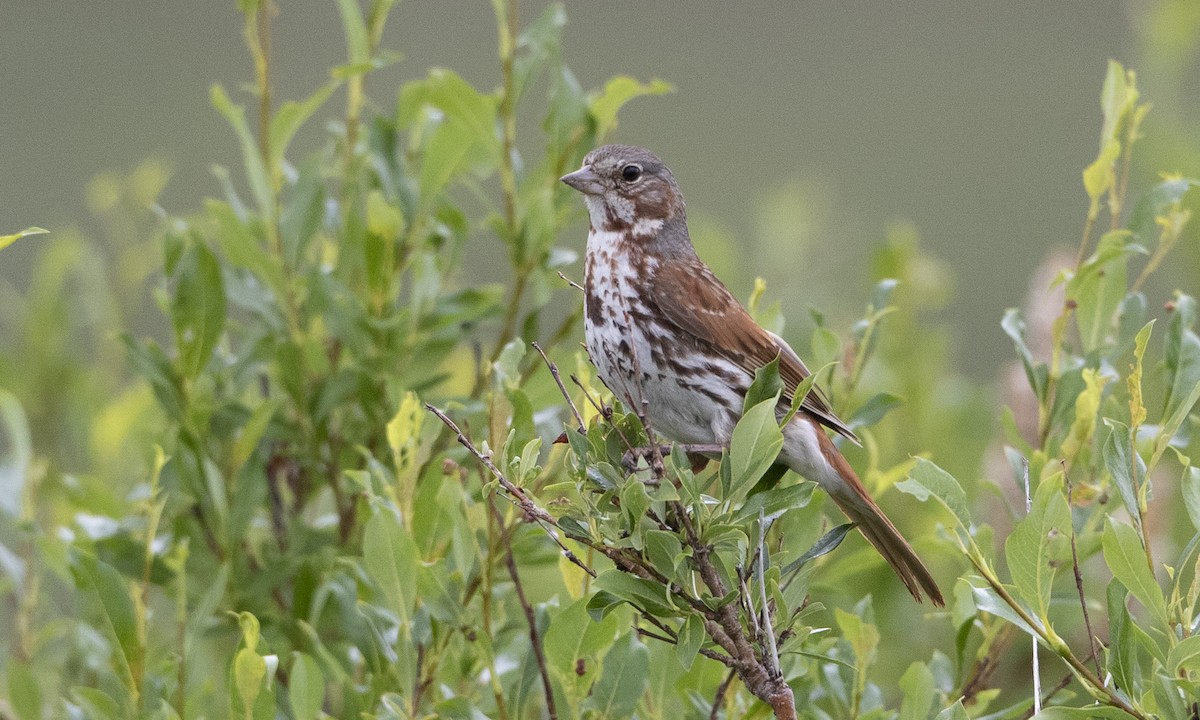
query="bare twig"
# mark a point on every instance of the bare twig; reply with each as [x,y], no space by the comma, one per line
[1037,675]
[719,698]
[516,494]
[571,282]
[562,388]
[1087,619]
[728,632]
[986,666]
[1062,684]
[530,618]
[772,654]
[604,411]
[1092,682]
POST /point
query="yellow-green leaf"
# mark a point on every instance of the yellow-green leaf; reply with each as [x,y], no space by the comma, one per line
[1099,176]
[1087,404]
[6,240]
[618,91]
[1137,410]
[249,669]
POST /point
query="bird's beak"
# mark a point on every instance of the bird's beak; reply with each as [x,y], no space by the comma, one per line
[585,181]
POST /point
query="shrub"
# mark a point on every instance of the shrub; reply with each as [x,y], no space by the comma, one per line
[351,483]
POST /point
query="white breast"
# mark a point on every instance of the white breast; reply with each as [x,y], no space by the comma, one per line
[627,351]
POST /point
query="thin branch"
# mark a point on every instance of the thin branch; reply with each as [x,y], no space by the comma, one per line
[1037,675]
[516,494]
[530,618]
[1083,671]
[1062,685]
[719,698]
[571,282]
[772,651]
[562,388]
[604,412]
[1087,620]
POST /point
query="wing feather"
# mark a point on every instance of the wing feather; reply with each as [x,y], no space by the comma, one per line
[693,299]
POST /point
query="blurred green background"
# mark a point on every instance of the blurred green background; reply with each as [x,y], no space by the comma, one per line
[800,132]
[803,134]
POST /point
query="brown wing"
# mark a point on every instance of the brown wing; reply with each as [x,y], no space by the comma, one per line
[695,301]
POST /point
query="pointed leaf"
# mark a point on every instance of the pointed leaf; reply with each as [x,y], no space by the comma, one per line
[755,444]
[1127,559]
[6,240]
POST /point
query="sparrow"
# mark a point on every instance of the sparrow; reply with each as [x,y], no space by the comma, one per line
[673,344]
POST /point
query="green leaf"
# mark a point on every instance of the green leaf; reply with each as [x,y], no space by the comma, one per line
[1127,559]
[874,410]
[306,688]
[954,712]
[928,480]
[1155,203]
[1029,548]
[390,557]
[256,171]
[1122,652]
[641,593]
[989,601]
[774,502]
[573,644]
[290,116]
[24,690]
[97,704]
[862,635]
[117,612]
[1122,462]
[241,246]
[634,504]
[251,434]
[917,685]
[1185,655]
[16,454]
[601,604]
[755,444]
[197,308]
[663,550]
[538,43]
[1117,98]
[618,91]
[358,44]
[766,385]
[462,123]
[1035,372]
[6,240]
[824,545]
[691,639]
[620,688]
[1099,286]
[249,671]
[1183,371]
[1190,486]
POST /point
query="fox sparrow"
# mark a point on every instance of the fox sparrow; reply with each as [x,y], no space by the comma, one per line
[671,342]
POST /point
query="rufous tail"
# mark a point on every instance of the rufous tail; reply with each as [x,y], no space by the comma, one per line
[852,498]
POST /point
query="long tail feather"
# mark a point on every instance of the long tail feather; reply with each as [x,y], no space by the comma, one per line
[838,479]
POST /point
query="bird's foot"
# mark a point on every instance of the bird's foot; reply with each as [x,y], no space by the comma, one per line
[697,453]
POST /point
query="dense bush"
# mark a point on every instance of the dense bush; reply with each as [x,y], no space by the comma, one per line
[260,516]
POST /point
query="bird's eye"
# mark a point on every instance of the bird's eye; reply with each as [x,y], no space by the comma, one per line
[631,173]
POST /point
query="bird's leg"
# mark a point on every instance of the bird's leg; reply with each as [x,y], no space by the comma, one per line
[697,452]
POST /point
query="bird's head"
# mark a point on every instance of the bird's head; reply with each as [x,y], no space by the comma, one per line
[627,188]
